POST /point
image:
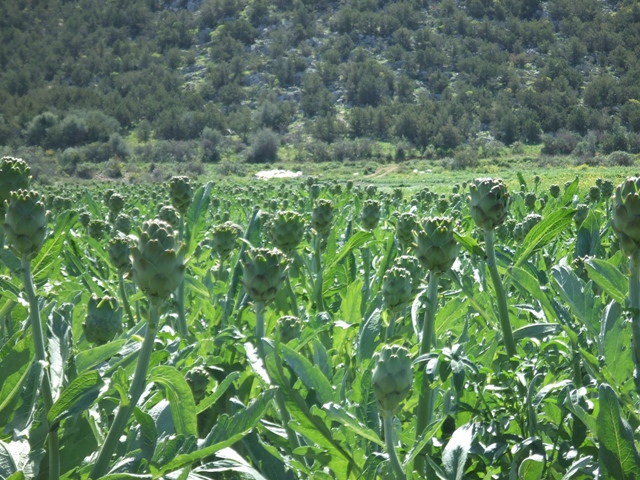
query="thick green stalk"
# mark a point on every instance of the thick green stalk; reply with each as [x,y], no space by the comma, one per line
[38,341]
[292,297]
[391,449]
[501,298]
[280,403]
[366,288]
[634,300]
[138,385]
[318,284]
[391,328]
[179,295]
[428,329]
[125,301]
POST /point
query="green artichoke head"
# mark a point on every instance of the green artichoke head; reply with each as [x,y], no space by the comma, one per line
[406,226]
[15,174]
[554,190]
[412,265]
[626,215]
[116,204]
[397,288]
[370,214]
[322,216]
[25,223]
[122,224]
[392,378]
[437,248]
[289,328]
[264,270]
[286,230]
[224,237]
[158,260]
[104,319]
[119,250]
[488,202]
[170,215]
[198,380]
[582,211]
[180,193]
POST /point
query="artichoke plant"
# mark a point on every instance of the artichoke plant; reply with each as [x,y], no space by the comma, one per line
[406,225]
[180,193]
[488,202]
[119,250]
[224,237]
[14,175]
[286,230]
[397,288]
[370,214]
[104,319]
[289,328]
[437,248]
[392,378]
[198,380]
[170,215]
[158,260]
[264,271]
[25,223]
[626,215]
[322,216]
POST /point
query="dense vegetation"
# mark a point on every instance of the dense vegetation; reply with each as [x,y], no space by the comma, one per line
[319,330]
[91,81]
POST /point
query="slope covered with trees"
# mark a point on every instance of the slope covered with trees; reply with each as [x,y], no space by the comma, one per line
[89,80]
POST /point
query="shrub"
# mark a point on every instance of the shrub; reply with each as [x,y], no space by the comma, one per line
[264,147]
[85,170]
[561,143]
[620,159]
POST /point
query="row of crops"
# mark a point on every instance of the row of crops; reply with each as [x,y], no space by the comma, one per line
[319,330]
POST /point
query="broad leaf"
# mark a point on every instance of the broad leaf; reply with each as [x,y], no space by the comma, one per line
[608,278]
[455,453]
[78,396]
[177,391]
[544,232]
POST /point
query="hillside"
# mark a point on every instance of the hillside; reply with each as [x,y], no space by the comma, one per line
[90,81]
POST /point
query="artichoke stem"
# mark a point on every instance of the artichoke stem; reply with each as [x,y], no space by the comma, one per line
[391,328]
[503,309]
[138,385]
[390,443]
[182,319]
[38,340]
[318,287]
[634,300]
[292,297]
[366,288]
[259,309]
[425,400]
[125,301]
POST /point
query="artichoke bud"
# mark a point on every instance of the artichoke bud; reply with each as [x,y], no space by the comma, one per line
[84,218]
[264,271]
[594,194]
[158,260]
[530,200]
[224,237]
[370,214]
[198,380]
[412,265]
[626,215]
[286,230]
[116,204]
[371,190]
[437,248]
[580,216]
[488,202]
[314,191]
[180,193]
[104,319]
[119,251]
[397,288]
[522,229]
[406,225]
[107,195]
[14,175]
[606,189]
[322,216]
[392,378]
[289,328]
[443,205]
[25,222]
[170,215]
[122,224]
[97,228]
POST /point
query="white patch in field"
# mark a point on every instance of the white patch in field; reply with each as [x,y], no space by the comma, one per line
[269,174]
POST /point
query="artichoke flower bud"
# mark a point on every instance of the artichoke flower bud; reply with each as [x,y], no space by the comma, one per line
[370,214]
[289,328]
[314,191]
[286,230]
[116,204]
[349,185]
[580,216]
[14,175]
[530,200]
[443,204]
[104,319]
[594,194]
[224,237]
[107,195]
[170,215]
[322,216]
[606,189]
[626,215]
[522,229]
[158,260]
[412,265]
[392,378]
[263,273]
[180,193]
[84,218]
[122,224]
[25,222]
[198,380]
[488,202]
[406,225]
[371,190]
[437,248]
[397,288]
[119,251]
[97,228]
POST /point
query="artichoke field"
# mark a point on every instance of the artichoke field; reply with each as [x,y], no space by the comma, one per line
[319,330]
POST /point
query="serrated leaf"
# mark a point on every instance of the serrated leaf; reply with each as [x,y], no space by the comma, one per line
[615,341]
[544,232]
[608,278]
[183,407]
[78,396]
[338,414]
[618,456]
[470,244]
[455,453]
[367,337]
[579,296]
[536,330]
[96,355]
[310,374]
[218,392]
